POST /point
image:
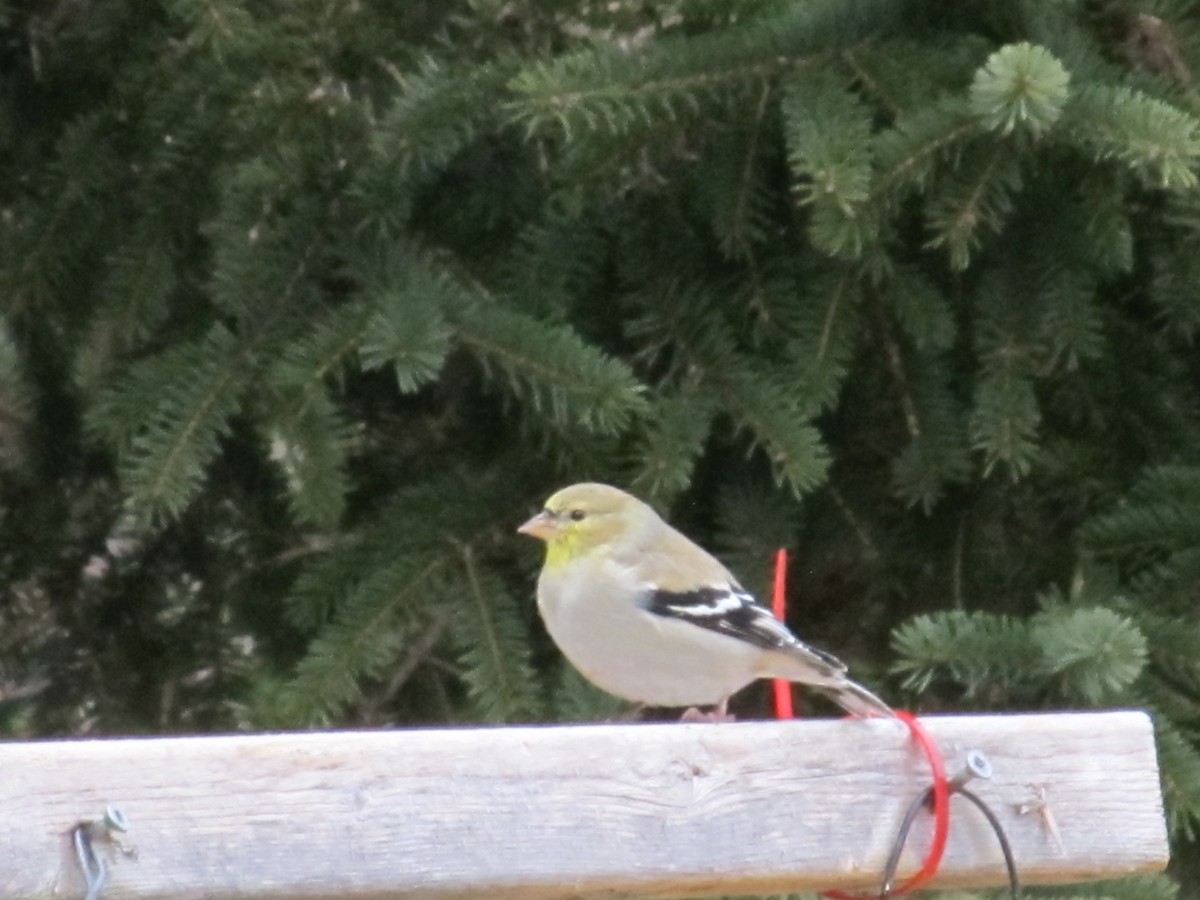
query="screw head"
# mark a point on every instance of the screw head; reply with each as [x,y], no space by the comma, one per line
[978,765]
[114,819]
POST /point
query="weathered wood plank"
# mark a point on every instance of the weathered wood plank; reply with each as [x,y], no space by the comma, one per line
[644,810]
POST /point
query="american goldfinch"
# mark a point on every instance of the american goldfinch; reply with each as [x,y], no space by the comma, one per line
[647,615]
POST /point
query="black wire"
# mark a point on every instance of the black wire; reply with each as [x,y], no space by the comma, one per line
[893,861]
[1014,883]
[922,800]
[95,874]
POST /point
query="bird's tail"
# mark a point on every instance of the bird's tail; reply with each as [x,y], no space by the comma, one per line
[855,699]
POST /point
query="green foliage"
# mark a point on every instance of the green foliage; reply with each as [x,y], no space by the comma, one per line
[1158,515]
[922,311]
[578,700]
[495,651]
[614,89]
[678,427]
[409,572]
[1156,140]
[306,307]
[1089,653]
[769,410]
[439,111]
[1152,536]
[981,652]
[308,438]
[1095,654]
[1180,765]
[828,133]
[373,621]
[825,323]
[1137,887]
[550,370]
[407,328]
[977,195]
[168,414]
[1021,87]
[937,456]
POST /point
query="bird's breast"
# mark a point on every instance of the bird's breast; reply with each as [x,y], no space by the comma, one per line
[596,617]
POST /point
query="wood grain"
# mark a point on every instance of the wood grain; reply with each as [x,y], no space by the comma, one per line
[548,812]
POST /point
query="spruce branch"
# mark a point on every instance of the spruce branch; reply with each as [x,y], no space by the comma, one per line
[167,414]
[136,294]
[1177,270]
[267,246]
[1156,140]
[735,184]
[753,522]
[1174,653]
[770,411]
[440,109]
[83,168]
[414,339]
[677,427]
[1021,87]
[317,358]
[907,155]
[938,456]
[494,648]
[307,438]
[769,406]
[1169,580]
[1107,227]
[828,132]
[366,632]
[417,652]
[1005,417]
[921,309]
[408,294]
[575,699]
[1071,323]
[1180,764]
[868,546]
[558,257]
[1161,513]
[612,90]
[551,368]
[1096,653]
[987,654]
[978,195]
[825,322]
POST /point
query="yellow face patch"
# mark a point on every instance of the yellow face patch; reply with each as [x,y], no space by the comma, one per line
[562,548]
[581,520]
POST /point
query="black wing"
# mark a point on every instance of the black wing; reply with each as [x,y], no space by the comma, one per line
[731,610]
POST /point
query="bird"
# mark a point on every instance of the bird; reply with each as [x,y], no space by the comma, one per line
[648,615]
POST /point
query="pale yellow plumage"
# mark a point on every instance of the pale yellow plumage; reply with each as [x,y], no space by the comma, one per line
[648,615]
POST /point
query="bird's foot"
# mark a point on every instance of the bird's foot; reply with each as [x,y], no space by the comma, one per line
[631,714]
[717,714]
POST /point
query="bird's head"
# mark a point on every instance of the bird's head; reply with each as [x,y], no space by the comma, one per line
[581,518]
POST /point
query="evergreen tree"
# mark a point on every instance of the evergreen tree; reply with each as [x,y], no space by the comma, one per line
[305,306]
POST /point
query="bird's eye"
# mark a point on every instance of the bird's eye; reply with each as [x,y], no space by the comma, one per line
[577,515]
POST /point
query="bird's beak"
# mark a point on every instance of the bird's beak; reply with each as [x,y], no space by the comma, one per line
[540,526]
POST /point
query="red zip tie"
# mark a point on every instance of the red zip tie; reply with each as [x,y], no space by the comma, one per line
[941,804]
[941,814]
[783,687]
[937,765]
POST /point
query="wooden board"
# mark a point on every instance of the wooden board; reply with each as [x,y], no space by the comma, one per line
[547,812]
